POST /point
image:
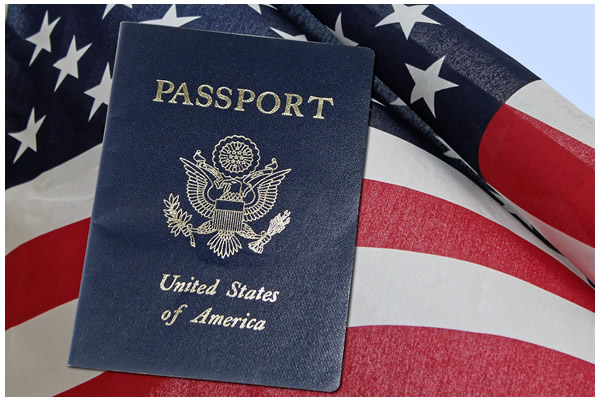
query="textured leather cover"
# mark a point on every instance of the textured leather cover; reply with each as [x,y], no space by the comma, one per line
[157,198]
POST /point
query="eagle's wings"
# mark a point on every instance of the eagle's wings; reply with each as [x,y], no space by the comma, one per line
[266,195]
[199,182]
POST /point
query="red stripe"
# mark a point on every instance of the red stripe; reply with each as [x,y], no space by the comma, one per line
[542,170]
[396,217]
[45,272]
[400,361]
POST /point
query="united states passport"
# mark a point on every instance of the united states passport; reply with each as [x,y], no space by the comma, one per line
[223,229]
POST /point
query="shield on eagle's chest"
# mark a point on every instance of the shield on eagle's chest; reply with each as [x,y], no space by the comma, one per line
[228,215]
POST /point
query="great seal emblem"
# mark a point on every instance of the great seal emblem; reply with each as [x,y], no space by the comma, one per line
[231,193]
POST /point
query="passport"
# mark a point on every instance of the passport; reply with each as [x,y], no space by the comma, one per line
[223,230]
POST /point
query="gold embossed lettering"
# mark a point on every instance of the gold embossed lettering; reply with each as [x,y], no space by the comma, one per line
[276,106]
[242,100]
[319,114]
[201,318]
[212,289]
[216,319]
[160,90]
[267,102]
[244,321]
[221,320]
[201,288]
[175,314]
[260,325]
[179,287]
[221,96]
[205,96]
[182,91]
[233,291]
[164,280]
[289,104]
[242,291]
[189,285]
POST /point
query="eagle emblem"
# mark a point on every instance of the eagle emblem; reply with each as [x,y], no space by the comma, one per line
[230,193]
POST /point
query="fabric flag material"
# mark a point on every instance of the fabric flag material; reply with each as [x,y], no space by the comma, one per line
[475,240]
[507,124]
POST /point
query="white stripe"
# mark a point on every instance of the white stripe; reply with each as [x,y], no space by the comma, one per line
[396,287]
[578,252]
[37,353]
[396,161]
[64,194]
[390,287]
[56,198]
[542,102]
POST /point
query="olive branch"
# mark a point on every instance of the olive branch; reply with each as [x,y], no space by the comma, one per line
[178,220]
[278,224]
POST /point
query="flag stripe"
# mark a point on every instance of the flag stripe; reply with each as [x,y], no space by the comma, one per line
[390,216]
[540,101]
[58,197]
[415,169]
[460,295]
[37,352]
[396,217]
[61,252]
[563,197]
[389,360]
[393,160]
[448,293]
[500,315]
[45,272]
[580,253]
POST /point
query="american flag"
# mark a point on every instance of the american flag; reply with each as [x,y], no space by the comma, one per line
[475,248]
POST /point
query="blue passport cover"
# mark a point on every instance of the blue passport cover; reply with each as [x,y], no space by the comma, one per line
[222,237]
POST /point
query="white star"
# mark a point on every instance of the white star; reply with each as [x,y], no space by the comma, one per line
[256,7]
[427,83]
[27,137]
[100,93]
[171,19]
[111,6]
[407,17]
[340,34]
[68,64]
[374,100]
[507,205]
[397,102]
[42,38]
[284,35]
[448,152]
[504,203]
[452,154]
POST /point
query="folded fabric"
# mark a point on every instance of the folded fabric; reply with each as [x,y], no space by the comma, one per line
[452,293]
